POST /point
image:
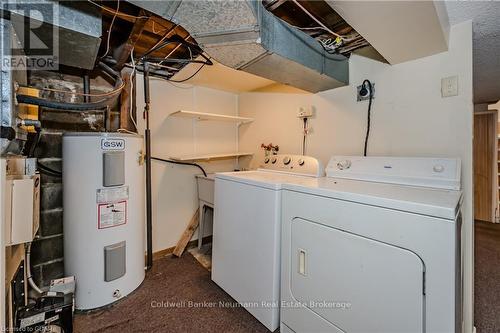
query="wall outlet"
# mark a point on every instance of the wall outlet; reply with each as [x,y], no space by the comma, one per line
[306,111]
[366,97]
[449,86]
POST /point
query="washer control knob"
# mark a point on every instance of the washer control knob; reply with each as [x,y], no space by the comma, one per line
[273,160]
[266,160]
[286,160]
[345,164]
[301,161]
[438,168]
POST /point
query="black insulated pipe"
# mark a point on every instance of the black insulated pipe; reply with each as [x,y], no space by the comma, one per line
[90,106]
[154,72]
[37,124]
[74,107]
[149,203]
[8,133]
[178,61]
[181,163]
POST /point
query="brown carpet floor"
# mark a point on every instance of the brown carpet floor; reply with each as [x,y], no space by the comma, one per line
[182,280]
[487,277]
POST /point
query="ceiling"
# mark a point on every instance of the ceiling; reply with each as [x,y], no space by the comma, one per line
[225,78]
[486,55]
[221,77]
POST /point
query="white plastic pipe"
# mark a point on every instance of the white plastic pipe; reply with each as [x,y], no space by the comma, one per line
[27,249]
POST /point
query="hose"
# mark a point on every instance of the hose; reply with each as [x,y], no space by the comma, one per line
[304,138]
[368,120]
[181,163]
[27,249]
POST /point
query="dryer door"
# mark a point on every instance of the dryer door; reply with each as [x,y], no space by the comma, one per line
[356,283]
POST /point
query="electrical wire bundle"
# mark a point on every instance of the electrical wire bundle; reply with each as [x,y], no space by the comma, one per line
[159,64]
[331,45]
[330,41]
[163,68]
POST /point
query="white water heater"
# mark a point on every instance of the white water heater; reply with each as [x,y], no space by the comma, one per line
[104,186]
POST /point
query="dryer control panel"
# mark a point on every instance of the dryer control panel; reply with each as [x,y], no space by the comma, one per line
[293,164]
[414,171]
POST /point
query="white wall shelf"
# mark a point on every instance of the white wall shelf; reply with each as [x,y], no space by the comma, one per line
[209,156]
[210,116]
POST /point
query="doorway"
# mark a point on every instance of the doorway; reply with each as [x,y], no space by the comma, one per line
[486,226]
[486,183]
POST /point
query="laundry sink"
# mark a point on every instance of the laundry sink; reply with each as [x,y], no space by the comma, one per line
[206,188]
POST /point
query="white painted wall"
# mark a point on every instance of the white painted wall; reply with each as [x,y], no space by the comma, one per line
[425,32]
[409,118]
[174,189]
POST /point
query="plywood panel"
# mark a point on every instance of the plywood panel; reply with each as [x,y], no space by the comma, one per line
[485,127]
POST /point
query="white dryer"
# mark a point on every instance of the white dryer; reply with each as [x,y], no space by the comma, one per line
[246,234]
[373,247]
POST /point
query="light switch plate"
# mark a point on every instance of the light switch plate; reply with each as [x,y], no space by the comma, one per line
[449,86]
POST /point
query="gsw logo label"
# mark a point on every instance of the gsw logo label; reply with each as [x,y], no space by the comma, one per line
[112,144]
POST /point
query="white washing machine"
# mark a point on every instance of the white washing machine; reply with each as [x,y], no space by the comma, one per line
[246,235]
[373,247]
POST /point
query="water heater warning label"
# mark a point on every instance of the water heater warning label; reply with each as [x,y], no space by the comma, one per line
[114,194]
[112,214]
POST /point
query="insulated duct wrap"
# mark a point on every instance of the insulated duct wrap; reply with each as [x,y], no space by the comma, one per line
[244,36]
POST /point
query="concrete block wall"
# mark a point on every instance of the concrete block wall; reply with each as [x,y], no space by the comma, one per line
[47,250]
[47,254]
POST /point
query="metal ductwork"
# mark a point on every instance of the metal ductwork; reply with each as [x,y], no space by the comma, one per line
[244,36]
[73,28]
[12,137]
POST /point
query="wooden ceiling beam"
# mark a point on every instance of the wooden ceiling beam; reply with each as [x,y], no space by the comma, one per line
[122,52]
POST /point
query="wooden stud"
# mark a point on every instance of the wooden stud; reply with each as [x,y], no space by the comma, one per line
[186,236]
[122,52]
[126,108]
[170,250]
